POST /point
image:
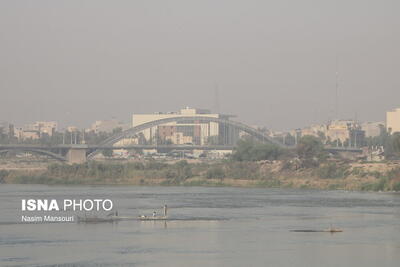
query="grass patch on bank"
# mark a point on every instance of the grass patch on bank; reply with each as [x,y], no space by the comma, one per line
[331,175]
[332,170]
[269,183]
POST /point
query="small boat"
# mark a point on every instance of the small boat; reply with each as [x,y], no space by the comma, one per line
[96,219]
[333,230]
[329,230]
[152,218]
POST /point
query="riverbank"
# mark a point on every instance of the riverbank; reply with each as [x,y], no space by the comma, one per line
[329,175]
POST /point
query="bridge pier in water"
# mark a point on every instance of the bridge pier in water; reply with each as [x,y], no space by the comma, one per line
[76,155]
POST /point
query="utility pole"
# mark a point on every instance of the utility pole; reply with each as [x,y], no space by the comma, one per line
[216,96]
[350,137]
[355,138]
[337,141]
[337,95]
[83,136]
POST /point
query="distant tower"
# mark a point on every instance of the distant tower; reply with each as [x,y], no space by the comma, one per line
[83,136]
[216,99]
[337,92]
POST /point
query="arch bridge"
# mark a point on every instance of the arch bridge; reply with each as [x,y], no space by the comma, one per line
[35,150]
[78,153]
[197,119]
[64,153]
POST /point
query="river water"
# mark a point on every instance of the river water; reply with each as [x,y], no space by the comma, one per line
[208,227]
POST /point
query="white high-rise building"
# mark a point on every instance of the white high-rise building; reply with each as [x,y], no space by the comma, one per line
[192,131]
[393,120]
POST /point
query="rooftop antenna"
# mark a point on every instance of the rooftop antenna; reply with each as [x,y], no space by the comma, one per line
[337,91]
[216,98]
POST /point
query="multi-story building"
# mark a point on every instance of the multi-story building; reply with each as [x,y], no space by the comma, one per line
[345,131]
[42,127]
[186,132]
[7,128]
[317,130]
[30,134]
[106,126]
[393,120]
[19,133]
[372,129]
[72,129]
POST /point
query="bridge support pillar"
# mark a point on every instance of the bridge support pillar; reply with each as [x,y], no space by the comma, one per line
[76,155]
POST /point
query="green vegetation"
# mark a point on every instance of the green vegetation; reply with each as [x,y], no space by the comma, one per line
[106,173]
[247,170]
[204,182]
[328,175]
[359,172]
[139,173]
[39,179]
[387,182]
[332,170]
[3,174]
[107,153]
[215,172]
[269,183]
[250,150]
[251,164]
[310,151]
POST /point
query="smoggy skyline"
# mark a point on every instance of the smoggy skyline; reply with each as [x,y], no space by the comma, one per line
[274,62]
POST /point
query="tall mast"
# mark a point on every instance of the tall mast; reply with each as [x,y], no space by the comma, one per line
[337,91]
[216,98]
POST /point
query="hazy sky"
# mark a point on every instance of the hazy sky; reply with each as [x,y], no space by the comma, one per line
[274,62]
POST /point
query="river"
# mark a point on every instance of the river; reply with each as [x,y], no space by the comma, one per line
[218,226]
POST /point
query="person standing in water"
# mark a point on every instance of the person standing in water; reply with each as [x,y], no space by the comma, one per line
[165,210]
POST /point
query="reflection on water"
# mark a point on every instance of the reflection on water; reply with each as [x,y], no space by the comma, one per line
[212,227]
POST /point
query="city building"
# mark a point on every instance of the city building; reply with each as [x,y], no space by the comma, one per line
[345,132]
[106,126]
[372,129]
[35,130]
[72,129]
[30,134]
[186,132]
[6,128]
[41,127]
[19,133]
[317,130]
[22,134]
[393,120]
